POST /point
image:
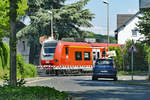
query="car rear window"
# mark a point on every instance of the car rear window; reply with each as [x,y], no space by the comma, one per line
[104,62]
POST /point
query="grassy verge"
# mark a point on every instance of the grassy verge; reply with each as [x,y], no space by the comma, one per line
[31,93]
[121,73]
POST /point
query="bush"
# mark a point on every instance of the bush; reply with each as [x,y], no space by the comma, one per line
[4,59]
[24,70]
[118,58]
[31,93]
[140,58]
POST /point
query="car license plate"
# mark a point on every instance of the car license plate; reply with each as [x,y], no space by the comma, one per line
[104,71]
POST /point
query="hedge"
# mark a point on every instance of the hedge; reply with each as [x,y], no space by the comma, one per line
[31,93]
[24,70]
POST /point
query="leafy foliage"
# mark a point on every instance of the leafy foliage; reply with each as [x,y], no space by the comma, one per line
[67,19]
[4,18]
[140,58]
[4,59]
[35,5]
[4,54]
[118,58]
[24,70]
[31,93]
[4,15]
[144,25]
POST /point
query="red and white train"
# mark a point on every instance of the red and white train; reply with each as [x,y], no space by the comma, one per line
[59,56]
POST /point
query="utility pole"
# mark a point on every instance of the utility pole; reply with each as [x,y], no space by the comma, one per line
[107,3]
[51,13]
[132,49]
[132,61]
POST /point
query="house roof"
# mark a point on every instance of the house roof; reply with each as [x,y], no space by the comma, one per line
[126,22]
[122,18]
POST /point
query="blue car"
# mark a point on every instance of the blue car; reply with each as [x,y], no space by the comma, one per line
[104,68]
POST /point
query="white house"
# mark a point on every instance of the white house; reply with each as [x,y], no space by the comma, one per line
[128,30]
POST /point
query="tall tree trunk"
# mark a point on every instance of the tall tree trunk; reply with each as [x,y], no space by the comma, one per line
[13,15]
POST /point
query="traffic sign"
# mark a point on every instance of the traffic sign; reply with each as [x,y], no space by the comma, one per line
[132,48]
[111,53]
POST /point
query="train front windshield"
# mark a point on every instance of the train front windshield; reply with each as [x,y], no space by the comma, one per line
[48,51]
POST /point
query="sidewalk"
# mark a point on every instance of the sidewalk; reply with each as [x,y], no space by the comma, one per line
[30,80]
[140,80]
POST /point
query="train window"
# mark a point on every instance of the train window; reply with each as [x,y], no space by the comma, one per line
[50,44]
[86,55]
[49,50]
[67,50]
[78,55]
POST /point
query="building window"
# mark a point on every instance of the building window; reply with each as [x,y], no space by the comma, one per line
[78,55]
[134,32]
[86,55]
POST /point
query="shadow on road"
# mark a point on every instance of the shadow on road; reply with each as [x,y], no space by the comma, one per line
[113,94]
[100,82]
[110,82]
[111,90]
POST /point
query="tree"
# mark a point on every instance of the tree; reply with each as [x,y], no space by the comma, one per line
[144,25]
[140,57]
[118,58]
[67,21]
[10,10]
[13,16]
[14,10]
[4,15]
[4,18]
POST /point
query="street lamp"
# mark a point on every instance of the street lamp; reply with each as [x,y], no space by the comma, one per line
[51,13]
[107,3]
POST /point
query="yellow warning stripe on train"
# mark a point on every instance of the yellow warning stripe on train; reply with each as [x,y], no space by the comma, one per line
[79,46]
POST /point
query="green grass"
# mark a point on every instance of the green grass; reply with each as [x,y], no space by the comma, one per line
[31,93]
[121,73]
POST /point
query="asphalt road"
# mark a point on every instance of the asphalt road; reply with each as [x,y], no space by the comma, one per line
[83,88]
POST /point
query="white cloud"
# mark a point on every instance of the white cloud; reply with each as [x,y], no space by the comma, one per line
[132,11]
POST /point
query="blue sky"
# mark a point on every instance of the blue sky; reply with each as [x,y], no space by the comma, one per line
[116,7]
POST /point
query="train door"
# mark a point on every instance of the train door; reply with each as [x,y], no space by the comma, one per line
[96,55]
